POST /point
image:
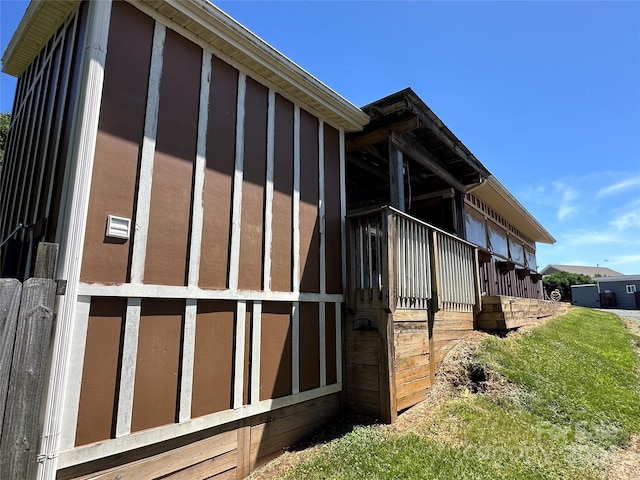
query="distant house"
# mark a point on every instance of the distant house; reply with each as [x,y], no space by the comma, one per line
[596,271]
[609,292]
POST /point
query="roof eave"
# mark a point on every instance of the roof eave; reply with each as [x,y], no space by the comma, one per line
[253,53]
[41,20]
[537,231]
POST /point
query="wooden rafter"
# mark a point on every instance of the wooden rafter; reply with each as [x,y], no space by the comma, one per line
[430,125]
[381,134]
[421,155]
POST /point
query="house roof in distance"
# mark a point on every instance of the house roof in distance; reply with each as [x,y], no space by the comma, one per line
[210,27]
[583,270]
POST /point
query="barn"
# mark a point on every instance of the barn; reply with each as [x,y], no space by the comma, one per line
[246,253]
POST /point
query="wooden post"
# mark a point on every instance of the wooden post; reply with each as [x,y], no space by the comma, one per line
[20,433]
[396,178]
[10,292]
[387,262]
[350,287]
[386,370]
[435,302]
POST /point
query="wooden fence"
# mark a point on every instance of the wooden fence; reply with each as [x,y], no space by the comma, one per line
[26,320]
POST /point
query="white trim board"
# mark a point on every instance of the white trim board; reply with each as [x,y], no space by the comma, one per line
[155,435]
[130,290]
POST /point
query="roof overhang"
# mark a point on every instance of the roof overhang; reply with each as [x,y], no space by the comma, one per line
[210,26]
[498,197]
[406,103]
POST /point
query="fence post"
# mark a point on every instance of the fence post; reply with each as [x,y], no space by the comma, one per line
[10,291]
[20,432]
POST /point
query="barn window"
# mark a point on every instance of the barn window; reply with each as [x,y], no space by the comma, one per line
[631,288]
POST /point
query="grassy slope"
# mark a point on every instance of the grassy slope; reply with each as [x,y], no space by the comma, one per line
[576,396]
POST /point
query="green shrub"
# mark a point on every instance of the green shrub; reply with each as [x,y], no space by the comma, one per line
[562,281]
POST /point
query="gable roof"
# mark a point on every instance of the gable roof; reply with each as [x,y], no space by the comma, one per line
[211,27]
[583,270]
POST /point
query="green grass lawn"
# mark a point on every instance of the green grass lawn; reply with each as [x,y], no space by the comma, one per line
[574,396]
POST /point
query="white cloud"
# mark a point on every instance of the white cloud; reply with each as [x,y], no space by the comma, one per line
[589,238]
[626,220]
[619,187]
[567,205]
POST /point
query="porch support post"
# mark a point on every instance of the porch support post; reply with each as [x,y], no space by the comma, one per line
[396,177]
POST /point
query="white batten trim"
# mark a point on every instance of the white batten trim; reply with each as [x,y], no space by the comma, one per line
[170,291]
[238,382]
[200,168]
[338,307]
[256,339]
[128,369]
[80,160]
[296,198]
[268,197]
[143,202]
[159,434]
[295,348]
[321,209]
[322,336]
[74,382]
[343,210]
[188,352]
[298,85]
[236,216]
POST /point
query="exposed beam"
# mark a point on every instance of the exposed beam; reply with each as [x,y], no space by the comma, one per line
[370,169]
[425,158]
[428,123]
[446,193]
[381,134]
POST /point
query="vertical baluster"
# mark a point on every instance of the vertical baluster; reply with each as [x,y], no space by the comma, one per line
[379,236]
[402,259]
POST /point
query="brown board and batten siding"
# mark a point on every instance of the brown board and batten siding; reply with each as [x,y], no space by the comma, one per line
[224,303]
[169,214]
[120,133]
[218,177]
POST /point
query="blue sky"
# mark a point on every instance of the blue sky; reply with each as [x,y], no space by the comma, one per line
[545,94]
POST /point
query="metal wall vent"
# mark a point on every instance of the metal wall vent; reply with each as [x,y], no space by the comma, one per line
[118,227]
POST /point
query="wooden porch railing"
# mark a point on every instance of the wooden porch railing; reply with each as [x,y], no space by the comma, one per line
[397,261]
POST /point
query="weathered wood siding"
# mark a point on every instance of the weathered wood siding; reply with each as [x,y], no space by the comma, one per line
[225,452]
[412,360]
[506,270]
[504,313]
[362,363]
[448,329]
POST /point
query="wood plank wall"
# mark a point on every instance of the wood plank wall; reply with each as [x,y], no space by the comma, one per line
[225,452]
[225,302]
[412,356]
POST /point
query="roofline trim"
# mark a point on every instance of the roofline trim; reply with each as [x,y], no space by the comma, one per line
[262,52]
[226,28]
[507,196]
